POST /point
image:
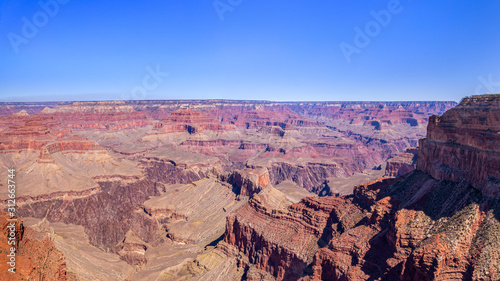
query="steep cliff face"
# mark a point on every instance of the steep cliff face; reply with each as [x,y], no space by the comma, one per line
[36,257]
[26,132]
[250,181]
[439,222]
[107,215]
[402,164]
[132,249]
[463,144]
[191,121]
[283,242]
[308,175]
[416,230]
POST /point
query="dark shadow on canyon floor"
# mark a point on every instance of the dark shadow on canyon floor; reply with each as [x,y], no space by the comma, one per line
[215,242]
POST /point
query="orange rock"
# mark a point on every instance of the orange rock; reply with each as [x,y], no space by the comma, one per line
[36,257]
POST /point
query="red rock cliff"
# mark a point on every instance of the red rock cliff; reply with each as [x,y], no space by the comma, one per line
[464,144]
[36,256]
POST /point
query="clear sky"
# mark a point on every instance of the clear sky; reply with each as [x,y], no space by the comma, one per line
[284,50]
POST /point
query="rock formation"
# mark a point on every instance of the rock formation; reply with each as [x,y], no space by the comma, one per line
[401,164]
[439,222]
[251,181]
[463,144]
[141,190]
[191,121]
[103,115]
[284,242]
[132,249]
[36,256]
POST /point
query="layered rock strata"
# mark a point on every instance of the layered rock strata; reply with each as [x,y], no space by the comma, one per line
[463,144]
[35,256]
[401,164]
[283,242]
[250,181]
[191,121]
[439,222]
[97,169]
[102,115]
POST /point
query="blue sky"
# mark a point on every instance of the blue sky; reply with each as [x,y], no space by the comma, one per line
[240,49]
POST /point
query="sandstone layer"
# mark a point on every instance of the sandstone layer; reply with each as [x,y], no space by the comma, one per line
[463,144]
[35,256]
[439,222]
[402,164]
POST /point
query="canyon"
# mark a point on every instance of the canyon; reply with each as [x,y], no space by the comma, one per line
[258,190]
[438,222]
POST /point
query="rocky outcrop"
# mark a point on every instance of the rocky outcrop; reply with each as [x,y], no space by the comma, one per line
[35,256]
[423,227]
[463,144]
[169,171]
[26,132]
[74,144]
[328,161]
[401,164]
[250,181]
[193,213]
[40,133]
[110,212]
[132,249]
[417,230]
[309,175]
[284,242]
[191,121]
[106,215]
